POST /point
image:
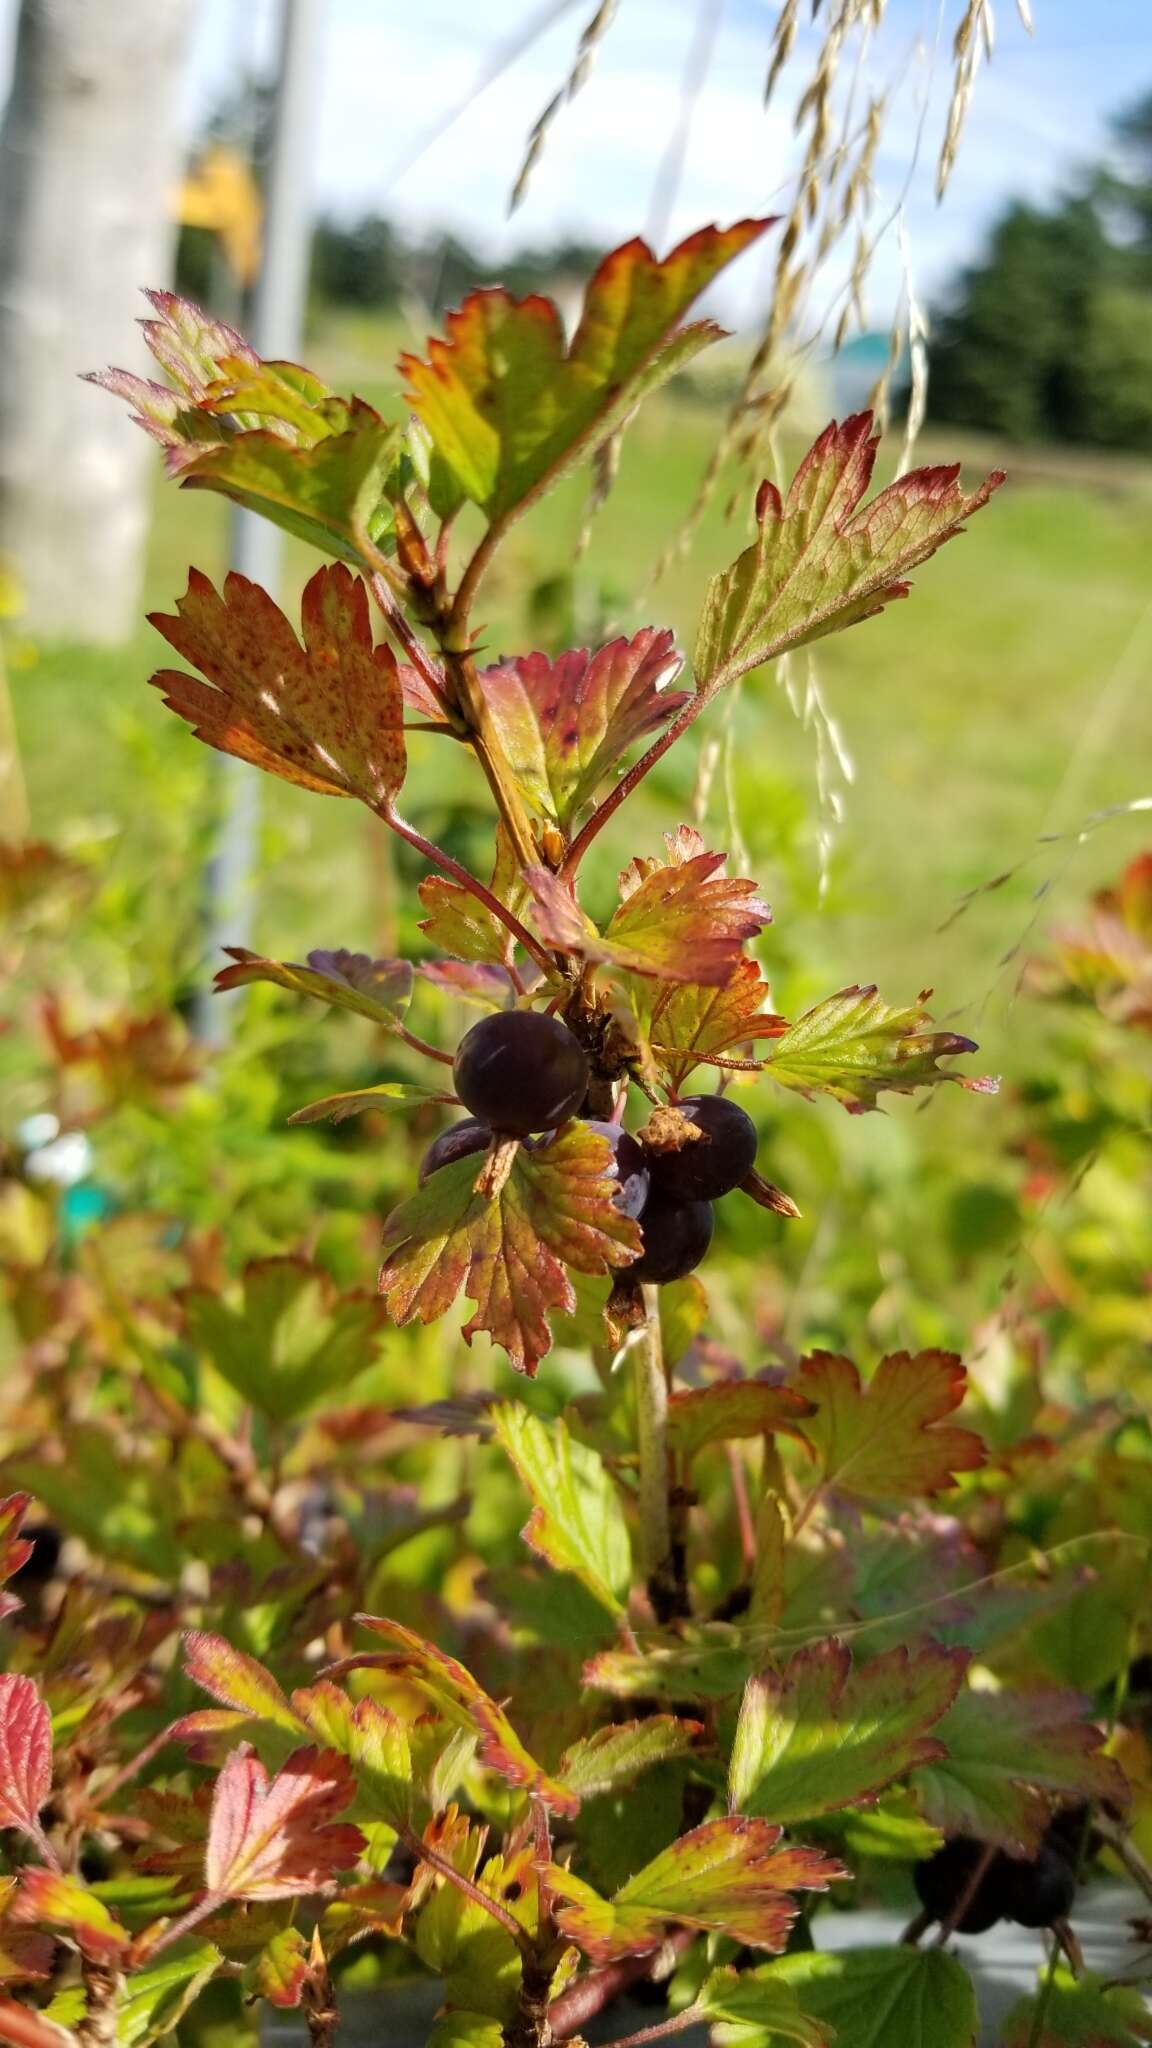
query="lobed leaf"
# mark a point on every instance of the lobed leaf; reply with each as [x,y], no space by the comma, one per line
[821,561]
[509,1255]
[680,919]
[326,715]
[155,1999]
[565,724]
[279,1839]
[753,2008]
[237,1681]
[854,1044]
[885,1997]
[459,924]
[730,1877]
[25,1753]
[378,989]
[454,1692]
[354,1101]
[292,1339]
[884,1440]
[373,1740]
[1007,1755]
[577,1523]
[330,495]
[732,1408]
[824,1733]
[509,406]
[1080,2013]
[685,1022]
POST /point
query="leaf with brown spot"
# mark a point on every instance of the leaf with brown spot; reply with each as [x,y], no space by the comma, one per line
[327,715]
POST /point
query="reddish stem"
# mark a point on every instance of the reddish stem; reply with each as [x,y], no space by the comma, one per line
[622,790]
[589,1995]
[472,1891]
[440,859]
[411,644]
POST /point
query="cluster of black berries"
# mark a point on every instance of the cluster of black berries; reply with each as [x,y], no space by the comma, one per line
[522,1073]
[1035,1891]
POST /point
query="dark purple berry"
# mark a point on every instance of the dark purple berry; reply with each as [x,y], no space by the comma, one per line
[943,1878]
[519,1071]
[631,1167]
[676,1236]
[1038,1889]
[457,1142]
[713,1165]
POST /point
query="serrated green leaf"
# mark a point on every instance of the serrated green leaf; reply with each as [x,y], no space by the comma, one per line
[730,1877]
[754,2009]
[378,989]
[686,1022]
[354,1101]
[291,1341]
[156,1998]
[1080,2013]
[238,1681]
[819,562]
[577,1521]
[329,495]
[884,1997]
[618,1754]
[510,407]
[825,1733]
[509,1255]
[373,1740]
[1005,1752]
[854,1044]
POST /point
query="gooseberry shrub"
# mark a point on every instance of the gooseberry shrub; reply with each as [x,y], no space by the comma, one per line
[744,1660]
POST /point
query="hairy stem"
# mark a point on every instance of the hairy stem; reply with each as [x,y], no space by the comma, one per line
[622,790]
[656,1547]
[177,1929]
[103,1987]
[676,2023]
[410,643]
[439,859]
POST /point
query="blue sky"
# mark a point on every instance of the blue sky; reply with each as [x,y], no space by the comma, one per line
[393,70]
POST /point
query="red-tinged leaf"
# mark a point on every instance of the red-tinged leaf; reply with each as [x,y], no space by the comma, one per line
[457,1695]
[280,1839]
[459,923]
[51,1898]
[25,1753]
[330,495]
[885,1440]
[1110,958]
[326,715]
[682,919]
[25,1957]
[379,989]
[23,2028]
[565,724]
[854,1044]
[1008,1756]
[373,1740]
[509,1255]
[732,1877]
[472,980]
[577,1521]
[823,1733]
[510,407]
[617,1755]
[15,1550]
[191,344]
[281,1972]
[237,1681]
[732,1408]
[686,1022]
[822,561]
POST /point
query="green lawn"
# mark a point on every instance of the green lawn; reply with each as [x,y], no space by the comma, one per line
[1007,697]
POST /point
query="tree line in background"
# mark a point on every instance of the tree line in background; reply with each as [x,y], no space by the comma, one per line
[1049,336]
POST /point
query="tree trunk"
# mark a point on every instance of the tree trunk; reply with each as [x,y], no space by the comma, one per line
[89,156]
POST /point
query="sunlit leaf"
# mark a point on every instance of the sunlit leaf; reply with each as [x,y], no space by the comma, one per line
[617,1754]
[510,406]
[53,1898]
[460,924]
[688,1021]
[820,560]
[379,989]
[373,1740]
[733,1877]
[884,1997]
[1007,1754]
[354,1101]
[156,1997]
[680,919]
[454,1691]
[754,2009]
[886,1439]
[577,1522]
[565,724]
[25,1753]
[853,1045]
[330,495]
[237,1680]
[280,1839]
[280,1972]
[1080,2013]
[823,1733]
[326,715]
[509,1255]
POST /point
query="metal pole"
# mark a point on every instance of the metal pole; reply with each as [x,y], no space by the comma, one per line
[275,329]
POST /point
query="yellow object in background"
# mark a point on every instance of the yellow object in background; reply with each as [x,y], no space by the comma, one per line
[220,193]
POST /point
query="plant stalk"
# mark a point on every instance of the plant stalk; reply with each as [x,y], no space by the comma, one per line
[656,1546]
